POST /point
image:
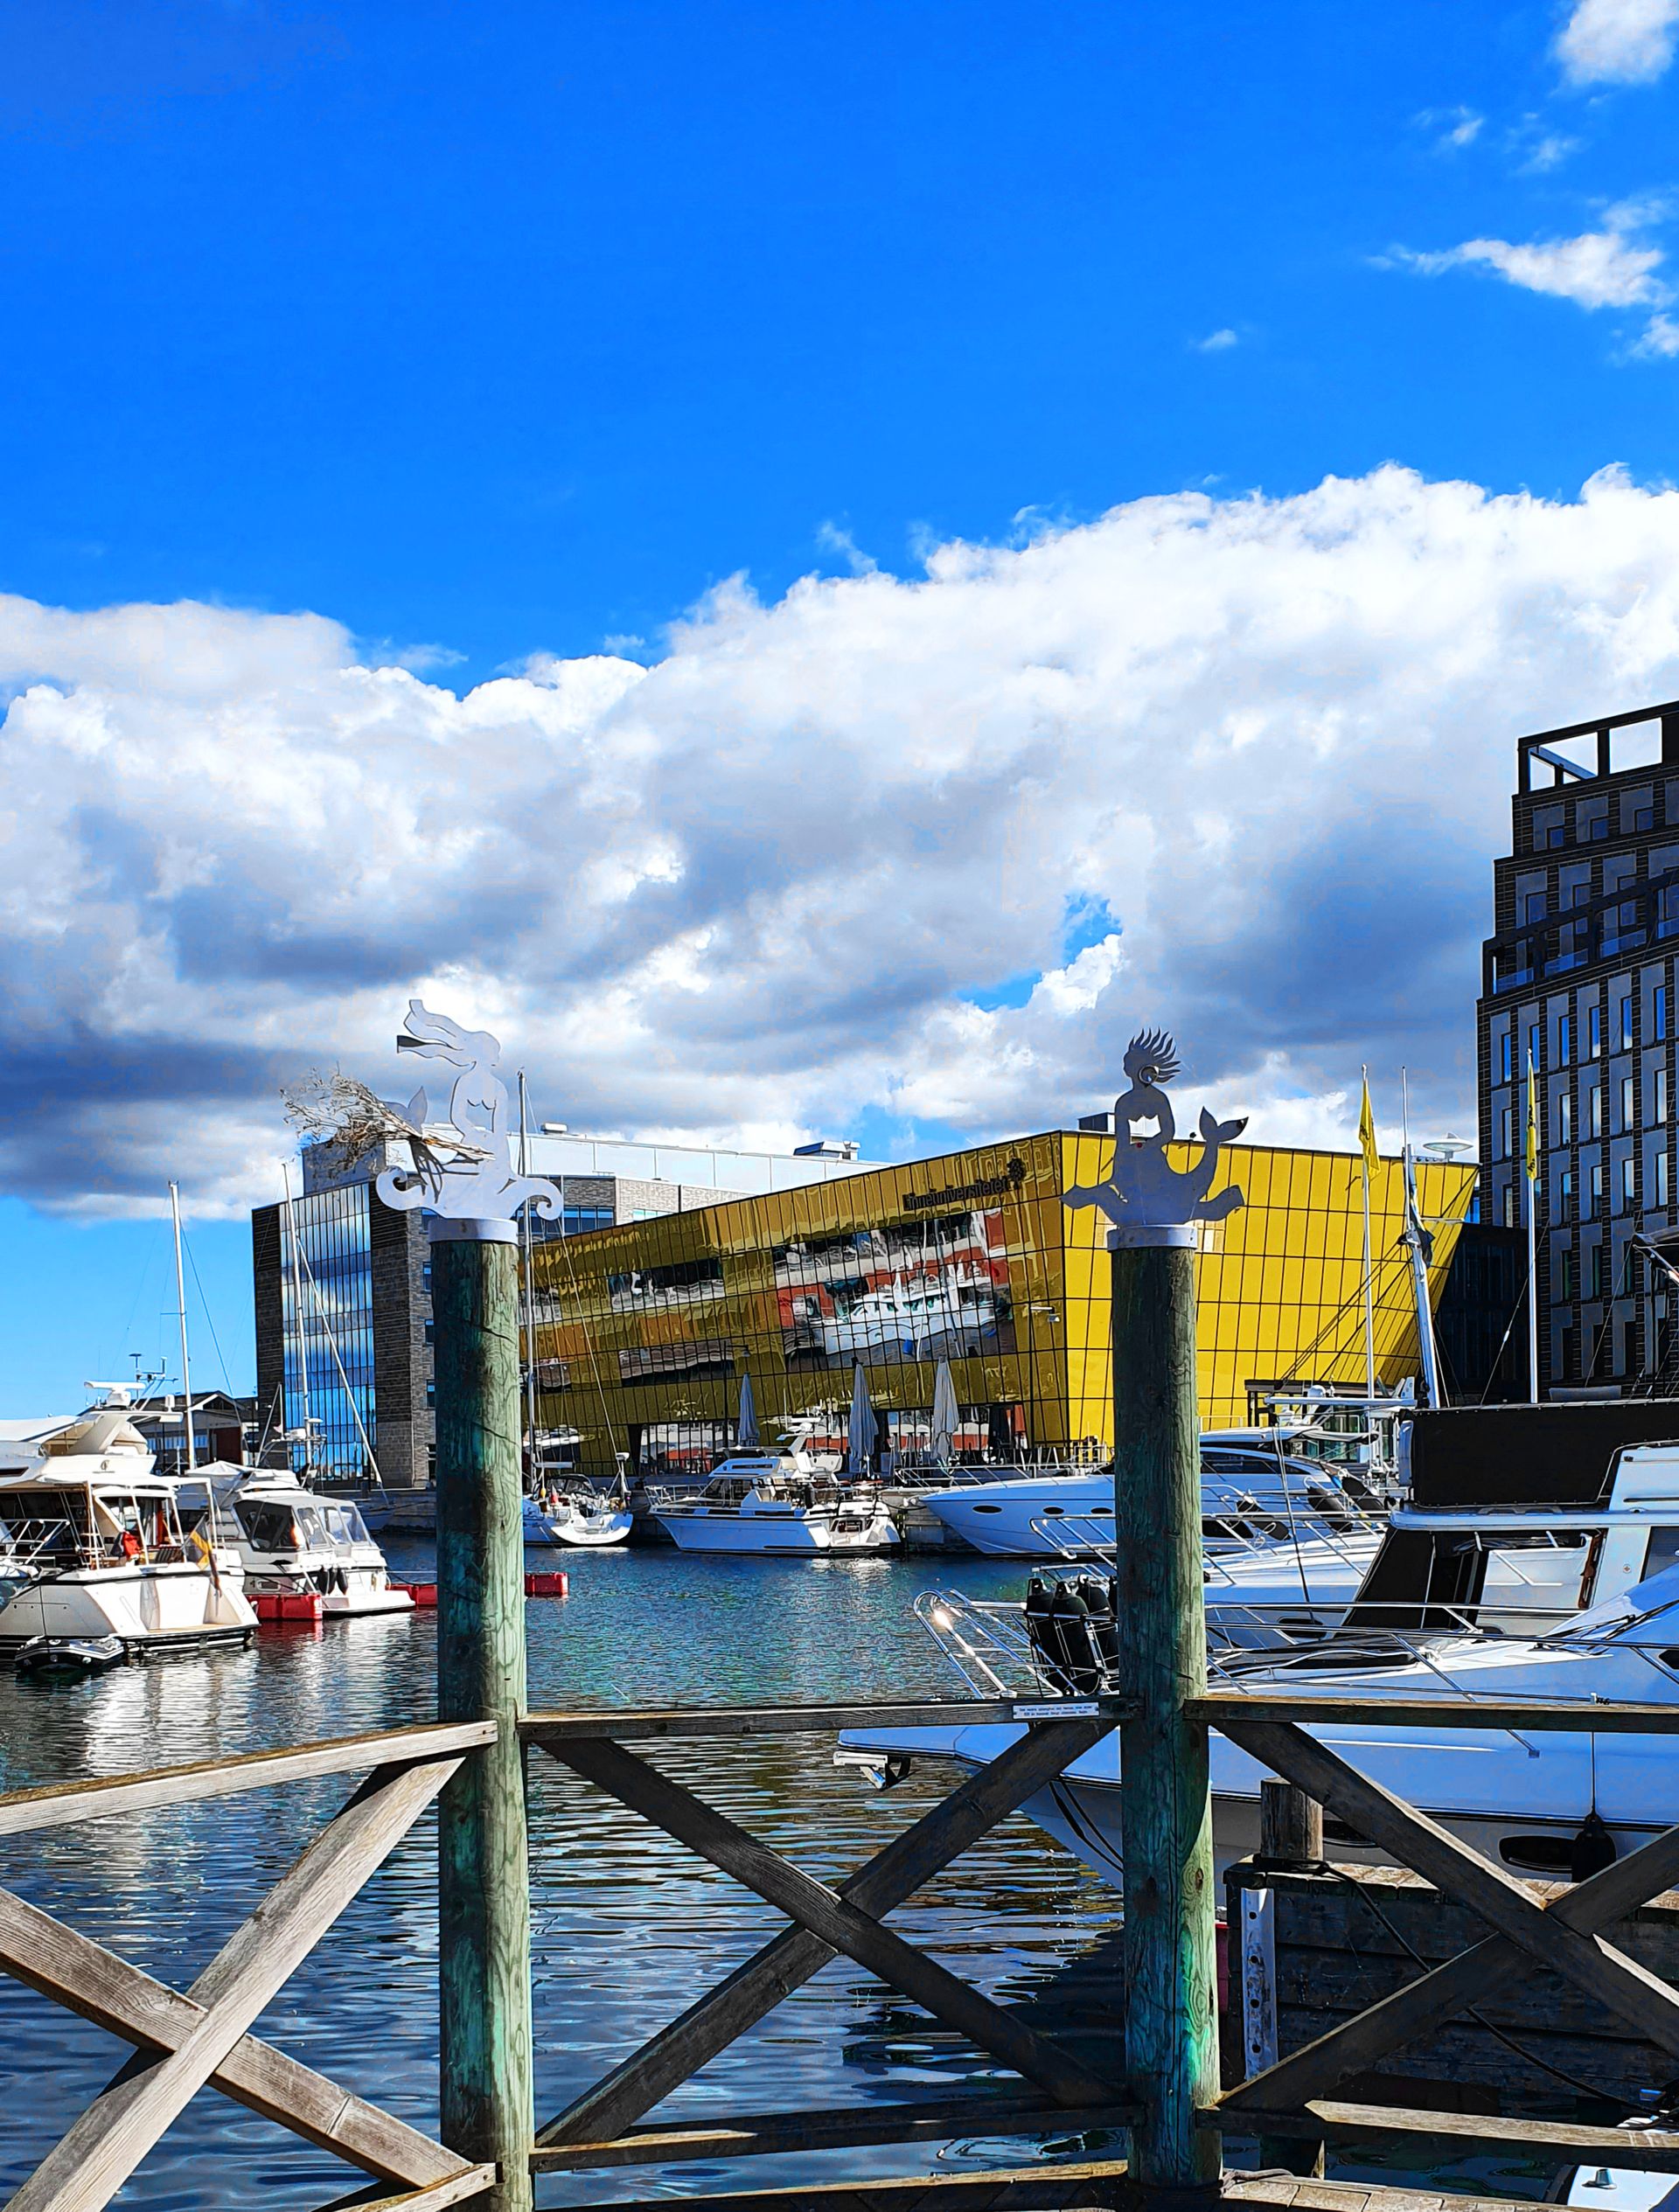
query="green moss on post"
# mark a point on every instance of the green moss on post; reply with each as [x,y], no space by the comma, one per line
[483,1877]
[1171,2000]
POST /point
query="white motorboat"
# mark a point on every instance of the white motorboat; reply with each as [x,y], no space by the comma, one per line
[1246,1489]
[1533,1802]
[293,1541]
[778,1504]
[577,1517]
[93,1546]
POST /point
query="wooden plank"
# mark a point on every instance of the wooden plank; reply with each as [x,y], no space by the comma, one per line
[1170,2034]
[836,1920]
[1646,2149]
[896,1872]
[459,2188]
[59,1804]
[1502,1900]
[854,2127]
[127,2119]
[642,1722]
[88,1979]
[1219,1707]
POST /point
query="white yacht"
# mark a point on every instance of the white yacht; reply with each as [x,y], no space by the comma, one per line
[1532,1803]
[785,1503]
[91,1546]
[293,1541]
[1248,1485]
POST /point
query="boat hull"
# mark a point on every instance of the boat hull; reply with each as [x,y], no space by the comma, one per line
[774,1535]
[152,1606]
[579,1532]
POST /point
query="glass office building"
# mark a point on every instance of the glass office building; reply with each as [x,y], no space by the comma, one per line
[646,1330]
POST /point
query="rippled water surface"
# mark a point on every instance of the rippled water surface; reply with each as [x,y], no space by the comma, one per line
[628,1927]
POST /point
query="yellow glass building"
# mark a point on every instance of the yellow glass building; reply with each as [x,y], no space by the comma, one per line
[645,1331]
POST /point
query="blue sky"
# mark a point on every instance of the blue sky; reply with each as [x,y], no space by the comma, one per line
[497,338]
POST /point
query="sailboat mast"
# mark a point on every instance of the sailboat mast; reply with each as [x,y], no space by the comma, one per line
[530,1286]
[190,1461]
[298,1309]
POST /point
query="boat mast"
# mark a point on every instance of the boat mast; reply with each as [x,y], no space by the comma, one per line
[297,1308]
[530,1287]
[1426,1344]
[190,1461]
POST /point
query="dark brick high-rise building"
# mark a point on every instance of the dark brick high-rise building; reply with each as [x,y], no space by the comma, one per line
[1579,974]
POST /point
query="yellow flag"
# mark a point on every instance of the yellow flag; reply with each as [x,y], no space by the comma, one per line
[1531,1152]
[1367,1131]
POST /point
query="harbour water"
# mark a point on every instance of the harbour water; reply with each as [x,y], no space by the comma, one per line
[628,1928]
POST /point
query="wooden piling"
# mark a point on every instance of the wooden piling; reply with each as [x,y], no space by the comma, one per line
[484,1882]
[1290,1825]
[1171,2000]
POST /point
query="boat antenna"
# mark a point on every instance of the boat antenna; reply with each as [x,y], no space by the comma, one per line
[190,1460]
[297,1307]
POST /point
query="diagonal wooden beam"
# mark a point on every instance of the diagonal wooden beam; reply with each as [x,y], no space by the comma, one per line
[838,1921]
[85,1979]
[785,1962]
[1502,1900]
[459,2188]
[126,2120]
[1470,1979]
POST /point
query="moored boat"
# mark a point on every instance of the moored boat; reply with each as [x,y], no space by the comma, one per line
[93,1546]
[777,1504]
[293,1541]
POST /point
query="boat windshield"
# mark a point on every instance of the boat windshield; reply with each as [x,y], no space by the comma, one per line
[344,1524]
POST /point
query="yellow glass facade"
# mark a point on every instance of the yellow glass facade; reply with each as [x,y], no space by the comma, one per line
[645,1329]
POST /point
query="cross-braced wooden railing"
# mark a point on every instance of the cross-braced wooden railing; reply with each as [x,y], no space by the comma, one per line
[1291,2096]
[598,2128]
[185,2039]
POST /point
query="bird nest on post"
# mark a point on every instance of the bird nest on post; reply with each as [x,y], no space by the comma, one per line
[338,1112]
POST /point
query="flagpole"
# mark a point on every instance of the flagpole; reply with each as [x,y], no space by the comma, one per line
[1530,1165]
[1369,1288]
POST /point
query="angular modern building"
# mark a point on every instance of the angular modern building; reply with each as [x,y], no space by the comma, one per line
[646,1330]
[1577,978]
[344,1321]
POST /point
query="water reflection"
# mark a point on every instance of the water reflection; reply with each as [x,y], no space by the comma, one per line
[628,1926]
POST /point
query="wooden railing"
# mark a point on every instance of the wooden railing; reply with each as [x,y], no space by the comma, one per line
[184,2040]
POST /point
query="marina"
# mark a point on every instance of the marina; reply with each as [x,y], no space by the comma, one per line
[1457,1716]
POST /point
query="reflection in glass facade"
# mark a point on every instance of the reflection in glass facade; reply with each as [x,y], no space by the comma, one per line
[329,1360]
[645,1329]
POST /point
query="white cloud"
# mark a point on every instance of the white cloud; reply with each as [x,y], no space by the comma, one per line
[1217,342]
[1451,127]
[1600,269]
[1624,42]
[760,881]
[1614,266]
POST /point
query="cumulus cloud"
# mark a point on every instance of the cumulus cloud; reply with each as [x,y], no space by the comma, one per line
[1623,42]
[1235,765]
[1217,342]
